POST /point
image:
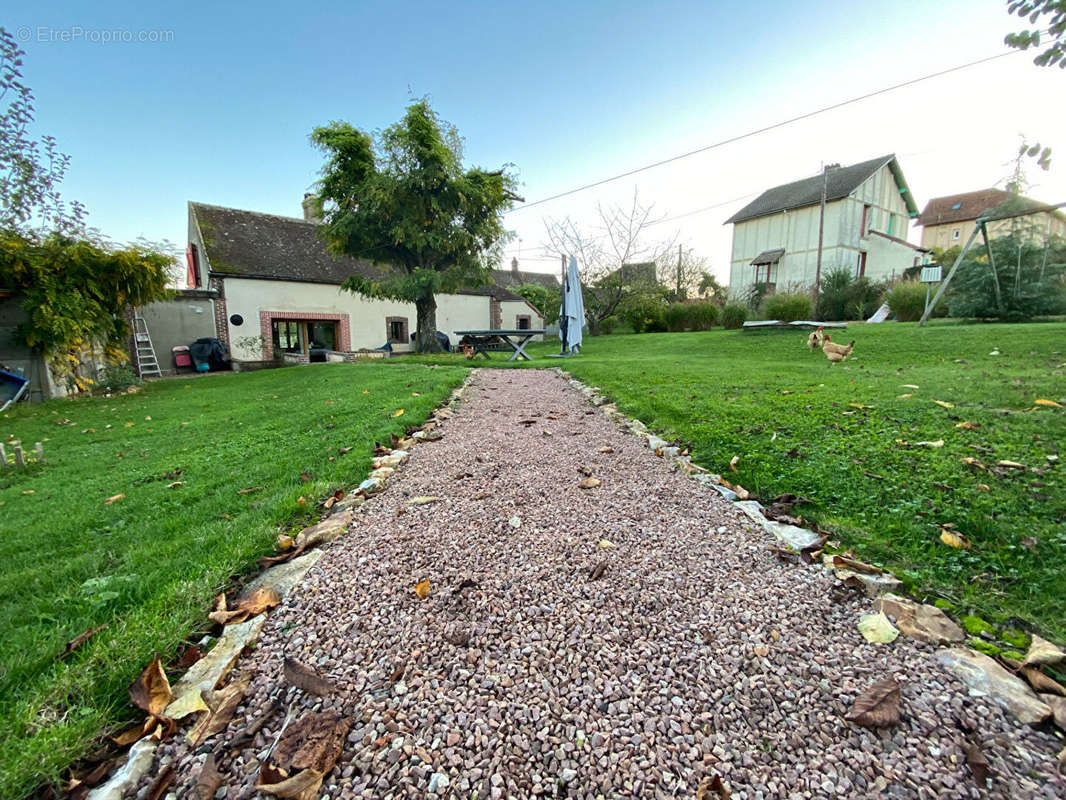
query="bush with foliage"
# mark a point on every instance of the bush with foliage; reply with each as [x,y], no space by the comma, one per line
[645,317]
[547,301]
[118,378]
[677,317]
[787,307]
[843,296]
[734,315]
[702,316]
[906,300]
[1030,280]
[608,325]
[754,297]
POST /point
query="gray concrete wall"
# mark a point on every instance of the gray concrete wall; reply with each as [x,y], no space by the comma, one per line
[18,358]
[183,320]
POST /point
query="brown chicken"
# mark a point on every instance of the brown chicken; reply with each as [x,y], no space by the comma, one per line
[816,340]
[836,352]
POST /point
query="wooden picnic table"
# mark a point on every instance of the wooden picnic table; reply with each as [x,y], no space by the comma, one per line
[483,340]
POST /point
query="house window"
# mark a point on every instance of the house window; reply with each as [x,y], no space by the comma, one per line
[193,277]
[767,273]
[863,229]
[522,322]
[955,234]
[300,336]
[396,329]
[860,264]
[891,223]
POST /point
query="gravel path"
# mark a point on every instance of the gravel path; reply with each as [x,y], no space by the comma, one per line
[695,652]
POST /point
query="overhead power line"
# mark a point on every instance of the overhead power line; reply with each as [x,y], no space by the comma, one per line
[764,129]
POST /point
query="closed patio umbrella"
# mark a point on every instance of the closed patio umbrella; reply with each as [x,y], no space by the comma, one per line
[573,310]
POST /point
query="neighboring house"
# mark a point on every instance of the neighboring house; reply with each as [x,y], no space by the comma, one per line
[867,205]
[278,292]
[949,221]
[512,279]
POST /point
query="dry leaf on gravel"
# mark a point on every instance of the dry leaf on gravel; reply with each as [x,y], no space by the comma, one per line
[878,706]
[113,499]
[303,677]
[130,735]
[80,639]
[189,657]
[589,483]
[606,449]
[843,562]
[311,745]
[876,628]
[1041,683]
[151,691]
[161,783]
[260,600]
[1041,651]
[954,539]
[221,706]
[423,501]
[978,764]
[711,787]
[607,544]
[208,781]
[422,589]
[597,571]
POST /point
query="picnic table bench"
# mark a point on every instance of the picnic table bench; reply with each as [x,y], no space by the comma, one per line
[485,340]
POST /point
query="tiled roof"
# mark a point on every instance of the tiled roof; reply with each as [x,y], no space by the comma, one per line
[512,278]
[840,182]
[967,206]
[249,244]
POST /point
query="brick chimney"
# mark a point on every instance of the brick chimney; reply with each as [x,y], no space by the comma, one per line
[514,266]
[311,209]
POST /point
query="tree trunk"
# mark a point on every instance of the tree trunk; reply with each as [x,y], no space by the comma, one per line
[594,326]
[426,336]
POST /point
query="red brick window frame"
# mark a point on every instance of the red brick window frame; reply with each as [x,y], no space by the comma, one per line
[266,326]
[397,330]
[523,322]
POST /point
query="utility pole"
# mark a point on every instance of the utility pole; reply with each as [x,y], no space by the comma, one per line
[677,279]
[821,231]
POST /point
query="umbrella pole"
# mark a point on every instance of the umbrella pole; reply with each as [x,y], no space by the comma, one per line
[563,321]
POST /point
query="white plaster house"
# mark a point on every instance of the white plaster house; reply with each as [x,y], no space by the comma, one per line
[868,205]
[278,292]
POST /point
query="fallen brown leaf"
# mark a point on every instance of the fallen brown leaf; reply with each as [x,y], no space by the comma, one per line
[606,449]
[597,571]
[175,484]
[978,764]
[113,499]
[208,781]
[284,541]
[709,787]
[129,736]
[1041,682]
[303,677]
[589,483]
[1041,651]
[733,463]
[161,783]
[302,786]
[220,709]
[260,600]
[842,562]
[189,657]
[311,745]
[151,691]
[80,639]
[878,706]
[954,539]
[422,589]
[251,489]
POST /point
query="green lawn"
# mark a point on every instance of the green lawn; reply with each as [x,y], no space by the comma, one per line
[148,564]
[787,413]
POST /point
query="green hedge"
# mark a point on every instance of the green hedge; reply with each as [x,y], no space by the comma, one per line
[734,315]
[787,307]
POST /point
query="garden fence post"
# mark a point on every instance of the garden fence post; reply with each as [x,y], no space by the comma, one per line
[3,457]
[20,459]
[38,448]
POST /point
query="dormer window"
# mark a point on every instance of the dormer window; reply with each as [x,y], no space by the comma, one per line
[957,206]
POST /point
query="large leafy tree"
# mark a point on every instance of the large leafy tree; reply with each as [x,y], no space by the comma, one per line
[1049,12]
[404,201]
[74,286]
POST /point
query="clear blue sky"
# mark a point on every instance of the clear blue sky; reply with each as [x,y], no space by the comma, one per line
[567,91]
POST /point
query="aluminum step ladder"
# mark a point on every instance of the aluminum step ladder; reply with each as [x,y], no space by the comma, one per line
[147,364]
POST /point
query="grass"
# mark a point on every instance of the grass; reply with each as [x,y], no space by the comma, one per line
[148,564]
[835,434]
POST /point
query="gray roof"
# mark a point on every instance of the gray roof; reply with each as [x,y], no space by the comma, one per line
[249,244]
[840,182]
[769,256]
[512,278]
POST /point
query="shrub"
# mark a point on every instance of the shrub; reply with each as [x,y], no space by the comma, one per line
[118,378]
[1030,275]
[734,315]
[907,301]
[608,325]
[702,316]
[787,307]
[645,317]
[677,317]
[843,296]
